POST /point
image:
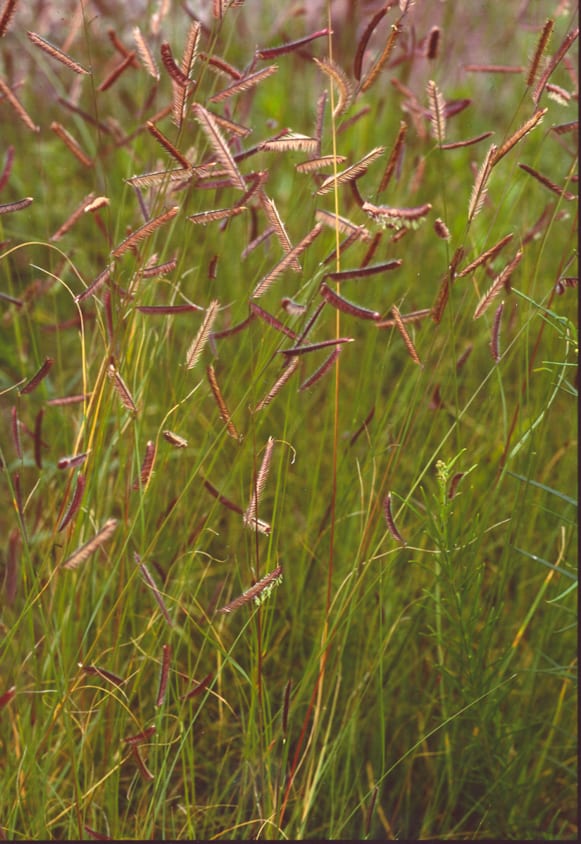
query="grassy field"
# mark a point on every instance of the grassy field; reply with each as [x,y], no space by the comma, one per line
[288,405]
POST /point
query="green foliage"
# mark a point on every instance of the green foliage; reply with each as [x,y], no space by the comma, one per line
[308,607]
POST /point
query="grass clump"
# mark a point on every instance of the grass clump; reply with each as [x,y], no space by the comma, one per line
[288,402]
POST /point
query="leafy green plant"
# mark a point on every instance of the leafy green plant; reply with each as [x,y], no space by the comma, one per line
[288,398]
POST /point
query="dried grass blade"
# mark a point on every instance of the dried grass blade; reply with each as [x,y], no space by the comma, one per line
[345,305]
[437,112]
[289,46]
[289,260]
[75,502]
[270,580]
[399,324]
[84,551]
[350,173]
[18,205]
[218,144]
[544,180]
[18,107]
[244,84]
[201,338]
[479,190]
[499,282]
[390,520]
[144,231]
[222,407]
[518,135]
[341,80]
[57,53]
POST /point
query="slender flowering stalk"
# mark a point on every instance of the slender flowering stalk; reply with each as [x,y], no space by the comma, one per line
[57,53]
[84,552]
[390,521]
[144,231]
[75,502]
[146,466]
[71,143]
[153,586]
[399,324]
[222,407]
[495,337]
[201,338]
[250,517]
[33,383]
[274,578]
[499,282]
[17,205]
[278,385]
[289,46]
[164,674]
[121,389]
[345,305]
[323,368]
